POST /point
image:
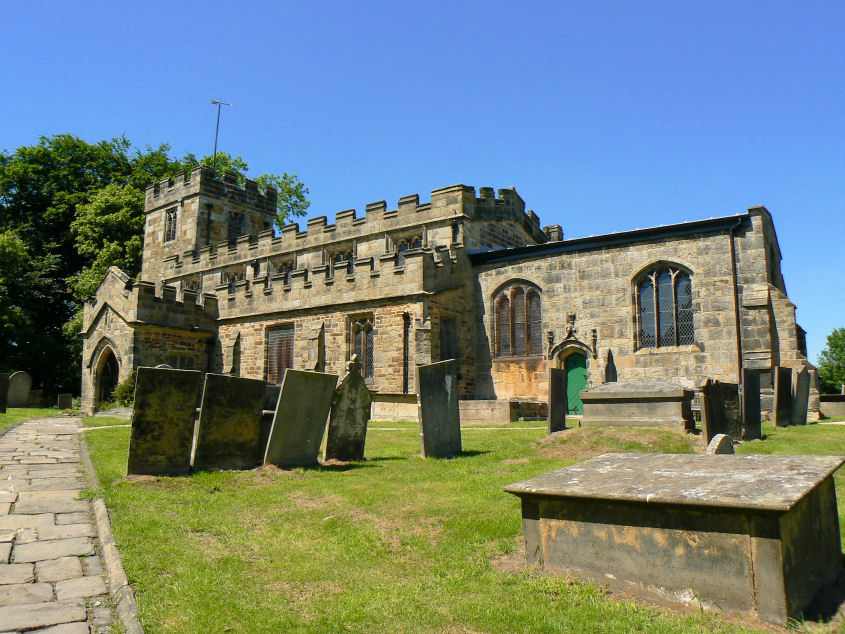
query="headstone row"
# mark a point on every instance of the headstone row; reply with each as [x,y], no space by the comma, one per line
[230,432]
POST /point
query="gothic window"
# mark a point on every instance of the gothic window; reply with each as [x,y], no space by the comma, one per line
[664,308]
[404,245]
[170,225]
[279,352]
[362,344]
[518,322]
[235,226]
[343,260]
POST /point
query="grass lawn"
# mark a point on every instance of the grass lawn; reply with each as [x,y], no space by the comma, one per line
[14,415]
[104,421]
[395,544]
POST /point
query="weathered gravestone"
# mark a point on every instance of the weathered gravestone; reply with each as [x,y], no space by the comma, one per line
[720,411]
[751,402]
[800,396]
[36,398]
[19,385]
[4,391]
[65,401]
[300,418]
[557,400]
[782,411]
[350,413]
[271,400]
[163,421]
[751,535]
[721,444]
[230,423]
[439,416]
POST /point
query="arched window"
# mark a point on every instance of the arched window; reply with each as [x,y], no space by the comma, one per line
[404,245]
[664,308]
[362,344]
[519,322]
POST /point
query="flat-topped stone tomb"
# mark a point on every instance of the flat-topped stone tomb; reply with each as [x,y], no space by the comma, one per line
[751,535]
[641,403]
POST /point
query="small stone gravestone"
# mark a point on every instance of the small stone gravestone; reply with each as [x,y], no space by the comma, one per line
[163,421]
[65,401]
[36,398]
[800,396]
[751,423]
[720,411]
[557,400]
[721,444]
[19,385]
[350,413]
[782,411]
[4,391]
[300,418]
[440,422]
[230,423]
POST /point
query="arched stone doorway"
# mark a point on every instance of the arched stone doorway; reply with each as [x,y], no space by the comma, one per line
[574,362]
[108,371]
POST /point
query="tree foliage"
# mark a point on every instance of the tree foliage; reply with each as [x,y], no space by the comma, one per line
[831,363]
[69,210]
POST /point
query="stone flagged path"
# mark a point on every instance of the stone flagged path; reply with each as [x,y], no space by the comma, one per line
[51,576]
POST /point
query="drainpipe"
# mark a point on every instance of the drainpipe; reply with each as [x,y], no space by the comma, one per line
[736,306]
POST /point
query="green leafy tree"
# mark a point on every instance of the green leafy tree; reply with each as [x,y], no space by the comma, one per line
[831,363]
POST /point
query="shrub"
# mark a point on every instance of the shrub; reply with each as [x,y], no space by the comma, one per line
[124,393]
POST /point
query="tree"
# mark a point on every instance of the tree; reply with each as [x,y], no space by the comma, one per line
[831,363]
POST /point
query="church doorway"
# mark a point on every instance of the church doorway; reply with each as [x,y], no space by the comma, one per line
[107,376]
[575,366]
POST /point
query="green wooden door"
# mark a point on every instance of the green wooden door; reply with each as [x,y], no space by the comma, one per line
[576,380]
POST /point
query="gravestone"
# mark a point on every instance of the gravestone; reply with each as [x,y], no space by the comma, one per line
[300,419]
[230,423]
[439,416]
[65,401]
[4,391]
[163,421]
[350,413]
[557,400]
[751,422]
[36,398]
[19,385]
[271,400]
[782,411]
[800,396]
[720,411]
[721,444]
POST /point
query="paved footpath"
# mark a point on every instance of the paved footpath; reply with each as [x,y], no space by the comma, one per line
[51,576]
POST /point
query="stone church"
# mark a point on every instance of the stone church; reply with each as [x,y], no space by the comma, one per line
[470,276]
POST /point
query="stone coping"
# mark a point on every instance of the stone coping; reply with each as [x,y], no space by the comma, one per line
[636,389]
[758,482]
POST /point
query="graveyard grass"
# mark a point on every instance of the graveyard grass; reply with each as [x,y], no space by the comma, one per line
[15,415]
[396,543]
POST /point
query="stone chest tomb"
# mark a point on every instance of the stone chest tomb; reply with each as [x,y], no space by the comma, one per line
[754,535]
[643,402]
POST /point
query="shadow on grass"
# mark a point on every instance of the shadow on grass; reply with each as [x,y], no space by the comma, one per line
[827,602]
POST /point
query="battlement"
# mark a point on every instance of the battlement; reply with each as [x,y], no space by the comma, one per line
[201,180]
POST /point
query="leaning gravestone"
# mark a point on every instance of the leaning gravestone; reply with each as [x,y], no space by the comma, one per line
[350,413]
[65,401]
[230,423]
[557,400]
[720,411]
[751,422]
[19,385]
[800,396]
[440,421]
[4,391]
[721,444]
[300,418]
[163,421]
[782,411]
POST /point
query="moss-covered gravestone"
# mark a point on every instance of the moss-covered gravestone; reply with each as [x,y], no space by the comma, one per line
[300,418]
[350,413]
[230,423]
[20,383]
[163,421]
[720,411]
[440,421]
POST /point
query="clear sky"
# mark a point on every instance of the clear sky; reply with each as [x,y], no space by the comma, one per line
[605,116]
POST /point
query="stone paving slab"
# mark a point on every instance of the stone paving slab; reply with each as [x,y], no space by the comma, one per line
[54,576]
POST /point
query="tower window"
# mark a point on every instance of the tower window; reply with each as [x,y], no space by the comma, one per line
[170,225]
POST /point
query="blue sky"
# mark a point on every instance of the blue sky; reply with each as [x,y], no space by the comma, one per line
[605,116]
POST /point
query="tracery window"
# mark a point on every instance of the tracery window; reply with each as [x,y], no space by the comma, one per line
[664,308]
[362,344]
[170,225]
[518,322]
